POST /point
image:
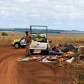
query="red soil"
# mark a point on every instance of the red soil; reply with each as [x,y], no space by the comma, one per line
[14,72]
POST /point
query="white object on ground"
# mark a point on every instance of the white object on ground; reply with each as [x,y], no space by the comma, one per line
[45,60]
[24,59]
[40,59]
[70,60]
[29,58]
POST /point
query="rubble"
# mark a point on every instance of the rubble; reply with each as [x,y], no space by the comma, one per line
[47,59]
[70,60]
[68,57]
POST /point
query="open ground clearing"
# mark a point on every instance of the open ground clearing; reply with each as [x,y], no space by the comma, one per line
[14,72]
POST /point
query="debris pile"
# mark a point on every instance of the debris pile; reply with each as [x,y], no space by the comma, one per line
[58,54]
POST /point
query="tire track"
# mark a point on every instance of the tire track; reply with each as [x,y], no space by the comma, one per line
[13,72]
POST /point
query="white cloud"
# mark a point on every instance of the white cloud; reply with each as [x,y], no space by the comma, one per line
[55,11]
[9,8]
[23,1]
[47,7]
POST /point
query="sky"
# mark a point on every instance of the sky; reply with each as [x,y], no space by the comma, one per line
[57,14]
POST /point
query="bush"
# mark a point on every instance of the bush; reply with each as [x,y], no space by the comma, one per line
[4,34]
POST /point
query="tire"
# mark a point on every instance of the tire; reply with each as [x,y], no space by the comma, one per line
[17,45]
[44,52]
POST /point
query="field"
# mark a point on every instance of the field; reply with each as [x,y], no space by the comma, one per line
[14,72]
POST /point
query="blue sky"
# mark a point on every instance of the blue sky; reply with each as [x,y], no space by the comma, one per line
[57,14]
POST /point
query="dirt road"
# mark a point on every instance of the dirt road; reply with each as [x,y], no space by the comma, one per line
[13,72]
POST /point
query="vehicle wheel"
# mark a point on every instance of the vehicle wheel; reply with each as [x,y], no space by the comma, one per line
[44,52]
[17,45]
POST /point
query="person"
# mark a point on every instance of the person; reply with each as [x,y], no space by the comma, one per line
[55,51]
[28,39]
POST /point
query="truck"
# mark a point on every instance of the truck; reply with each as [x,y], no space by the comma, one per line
[40,42]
